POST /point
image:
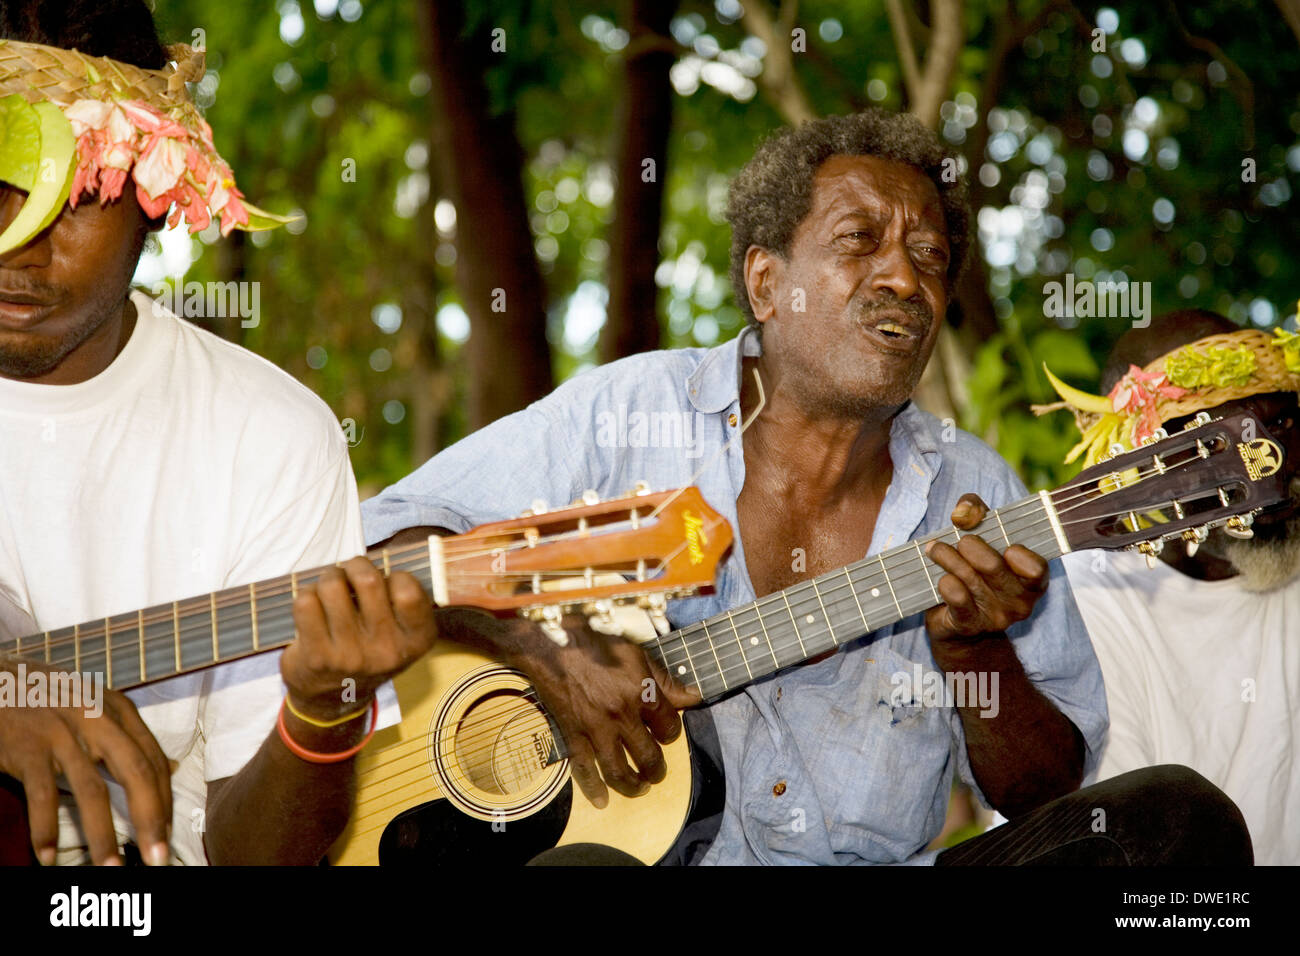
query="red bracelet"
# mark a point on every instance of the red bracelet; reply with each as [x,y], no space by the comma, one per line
[311,756]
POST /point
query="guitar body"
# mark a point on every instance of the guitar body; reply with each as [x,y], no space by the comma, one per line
[472,774]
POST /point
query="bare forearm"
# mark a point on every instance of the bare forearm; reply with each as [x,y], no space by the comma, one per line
[1024,752]
[281,809]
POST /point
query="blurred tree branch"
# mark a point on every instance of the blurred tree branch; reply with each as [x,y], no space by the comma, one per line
[778,77]
[927,86]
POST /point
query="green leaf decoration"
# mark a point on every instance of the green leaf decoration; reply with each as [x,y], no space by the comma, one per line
[1289,343]
[1216,366]
[260,220]
[20,142]
[56,159]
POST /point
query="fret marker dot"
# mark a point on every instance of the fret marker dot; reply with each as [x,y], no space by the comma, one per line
[809,619]
[681,669]
[875,592]
[754,641]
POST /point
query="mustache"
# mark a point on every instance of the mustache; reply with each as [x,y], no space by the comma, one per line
[9,282]
[913,308]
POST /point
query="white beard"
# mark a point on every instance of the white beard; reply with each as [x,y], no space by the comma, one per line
[1266,563]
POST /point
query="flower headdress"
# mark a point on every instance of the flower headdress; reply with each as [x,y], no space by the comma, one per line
[72,124]
[1204,374]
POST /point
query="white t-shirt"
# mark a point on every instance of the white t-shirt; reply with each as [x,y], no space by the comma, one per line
[1204,674]
[187,466]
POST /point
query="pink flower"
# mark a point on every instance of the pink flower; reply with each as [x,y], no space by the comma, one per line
[1138,393]
[160,166]
[88,114]
[175,168]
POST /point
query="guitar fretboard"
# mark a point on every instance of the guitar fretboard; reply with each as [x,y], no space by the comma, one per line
[744,644]
[165,640]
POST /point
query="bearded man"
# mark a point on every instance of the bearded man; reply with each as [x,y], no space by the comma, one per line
[1199,651]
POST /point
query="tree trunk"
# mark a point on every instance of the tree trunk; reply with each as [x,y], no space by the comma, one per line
[644,122]
[509,359]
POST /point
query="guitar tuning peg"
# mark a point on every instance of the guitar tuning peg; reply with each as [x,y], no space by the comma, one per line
[538,508]
[599,613]
[1151,549]
[589,497]
[550,625]
[1114,451]
[1239,527]
[642,487]
[1194,537]
[656,606]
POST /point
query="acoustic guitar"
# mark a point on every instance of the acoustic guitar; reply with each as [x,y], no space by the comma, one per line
[592,557]
[477,772]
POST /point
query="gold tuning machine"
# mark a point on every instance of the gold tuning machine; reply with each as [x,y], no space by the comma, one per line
[1240,526]
[1151,549]
[1194,537]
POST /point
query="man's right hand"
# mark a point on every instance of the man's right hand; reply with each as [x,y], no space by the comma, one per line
[607,697]
[39,744]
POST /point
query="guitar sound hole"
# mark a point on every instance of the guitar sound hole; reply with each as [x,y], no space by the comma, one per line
[504,742]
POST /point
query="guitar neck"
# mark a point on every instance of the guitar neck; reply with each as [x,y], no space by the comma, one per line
[166,640]
[744,644]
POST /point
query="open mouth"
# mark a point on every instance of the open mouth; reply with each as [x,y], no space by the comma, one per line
[894,331]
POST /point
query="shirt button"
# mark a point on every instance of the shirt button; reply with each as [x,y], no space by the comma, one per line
[779,788]
[732,419]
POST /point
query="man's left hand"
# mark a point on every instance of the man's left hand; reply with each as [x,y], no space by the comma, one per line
[984,592]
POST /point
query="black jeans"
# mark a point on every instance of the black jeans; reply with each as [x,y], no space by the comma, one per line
[1159,816]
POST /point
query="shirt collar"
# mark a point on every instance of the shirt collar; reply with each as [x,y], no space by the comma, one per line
[715,383]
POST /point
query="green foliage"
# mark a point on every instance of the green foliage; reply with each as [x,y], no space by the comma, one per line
[1061,192]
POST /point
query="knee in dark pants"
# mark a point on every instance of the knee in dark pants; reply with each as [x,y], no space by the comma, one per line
[584,854]
[1170,815]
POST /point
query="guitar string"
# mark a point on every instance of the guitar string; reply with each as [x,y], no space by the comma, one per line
[238,595]
[200,627]
[525,700]
[828,600]
[200,620]
[805,603]
[423,565]
[471,750]
[166,614]
[1017,524]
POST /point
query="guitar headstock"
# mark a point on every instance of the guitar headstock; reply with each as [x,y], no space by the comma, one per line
[1220,471]
[643,548]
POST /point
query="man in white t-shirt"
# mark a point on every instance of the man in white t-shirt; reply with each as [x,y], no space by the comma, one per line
[142,461]
[1201,654]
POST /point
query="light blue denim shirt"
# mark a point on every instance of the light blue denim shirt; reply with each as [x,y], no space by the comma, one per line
[865,780]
